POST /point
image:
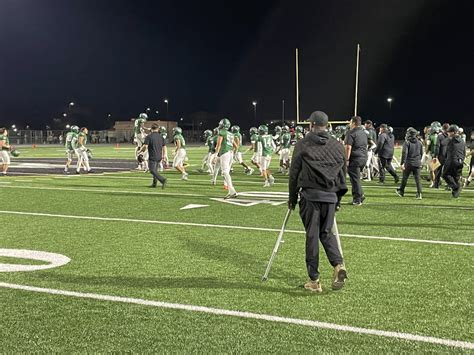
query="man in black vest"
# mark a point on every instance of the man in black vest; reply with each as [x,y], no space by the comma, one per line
[385,149]
[356,142]
[317,174]
[155,144]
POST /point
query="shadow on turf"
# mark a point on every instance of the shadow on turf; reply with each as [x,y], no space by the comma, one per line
[412,226]
[245,263]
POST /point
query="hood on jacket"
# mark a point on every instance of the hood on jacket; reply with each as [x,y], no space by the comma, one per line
[457,139]
[319,137]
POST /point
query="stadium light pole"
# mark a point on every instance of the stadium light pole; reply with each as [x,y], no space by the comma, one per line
[254,103]
[167,108]
[389,100]
[283,112]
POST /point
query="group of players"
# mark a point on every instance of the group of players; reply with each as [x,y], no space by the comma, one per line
[75,144]
[225,148]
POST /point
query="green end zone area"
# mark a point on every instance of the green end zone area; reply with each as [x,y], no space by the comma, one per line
[125,239]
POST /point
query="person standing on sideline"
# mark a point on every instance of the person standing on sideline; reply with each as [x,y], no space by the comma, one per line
[317,174]
[155,144]
[385,149]
[412,153]
[440,154]
[356,142]
[4,150]
[455,155]
[372,140]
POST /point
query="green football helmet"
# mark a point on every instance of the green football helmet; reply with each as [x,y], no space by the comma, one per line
[215,131]
[263,129]
[143,116]
[235,129]
[253,130]
[177,130]
[207,133]
[277,129]
[299,129]
[285,129]
[75,129]
[224,123]
[162,129]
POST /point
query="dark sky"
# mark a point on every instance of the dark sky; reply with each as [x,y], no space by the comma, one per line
[123,56]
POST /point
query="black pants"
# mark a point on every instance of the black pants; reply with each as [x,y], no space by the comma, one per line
[318,219]
[451,173]
[354,169]
[416,170]
[438,173]
[386,163]
[153,166]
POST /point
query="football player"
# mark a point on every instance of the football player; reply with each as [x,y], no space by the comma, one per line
[238,150]
[70,137]
[471,167]
[257,149]
[285,145]
[82,151]
[180,152]
[299,133]
[225,147]
[372,144]
[140,132]
[164,161]
[5,150]
[207,135]
[268,147]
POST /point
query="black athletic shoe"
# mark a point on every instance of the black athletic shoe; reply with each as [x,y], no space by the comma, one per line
[78,172]
[399,192]
[152,186]
[397,179]
[362,199]
[418,196]
[456,192]
[164,184]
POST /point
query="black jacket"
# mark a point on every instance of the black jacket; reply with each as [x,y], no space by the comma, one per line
[385,145]
[455,150]
[441,144]
[412,152]
[318,163]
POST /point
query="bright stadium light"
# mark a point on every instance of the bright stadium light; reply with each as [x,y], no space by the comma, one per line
[64,114]
[68,126]
[389,100]
[13,126]
[71,104]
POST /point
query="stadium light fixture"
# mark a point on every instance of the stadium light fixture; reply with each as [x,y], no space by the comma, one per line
[64,114]
[68,126]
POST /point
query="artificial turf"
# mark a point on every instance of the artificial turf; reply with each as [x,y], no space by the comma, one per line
[393,285]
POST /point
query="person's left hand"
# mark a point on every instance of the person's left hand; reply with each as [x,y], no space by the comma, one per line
[291,205]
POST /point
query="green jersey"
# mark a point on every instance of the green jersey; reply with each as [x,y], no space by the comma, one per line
[139,126]
[239,137]
[6,142]
[210,144]
[254,141]
[285,141]
[267,144]
[70,138]
[180,138]
[432,140]
[299,136]
[227,141]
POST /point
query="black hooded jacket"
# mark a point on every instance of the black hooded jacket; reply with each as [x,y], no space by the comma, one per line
[318,163]
[455,150]
[385,145]
[412,152]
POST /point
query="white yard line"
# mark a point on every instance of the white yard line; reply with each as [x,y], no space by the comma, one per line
[245,315]
[206,225]
[82,189]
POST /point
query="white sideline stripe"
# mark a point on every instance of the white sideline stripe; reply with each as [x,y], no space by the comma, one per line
[205,225]
[111,191]
[246,315]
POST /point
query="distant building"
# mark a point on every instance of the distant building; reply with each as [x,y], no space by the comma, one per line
[122,131]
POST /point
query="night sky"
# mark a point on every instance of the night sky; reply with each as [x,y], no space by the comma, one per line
[120,57]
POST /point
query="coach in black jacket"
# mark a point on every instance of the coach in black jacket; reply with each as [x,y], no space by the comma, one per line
[455,155]
[317,174]
[385,149]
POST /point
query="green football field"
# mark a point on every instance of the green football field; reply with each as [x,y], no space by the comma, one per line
[146,275]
